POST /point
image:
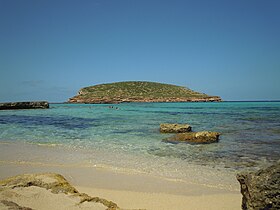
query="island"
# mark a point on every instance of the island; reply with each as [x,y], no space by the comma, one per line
[139,91]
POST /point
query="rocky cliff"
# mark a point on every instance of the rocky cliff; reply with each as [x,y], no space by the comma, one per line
[120,92]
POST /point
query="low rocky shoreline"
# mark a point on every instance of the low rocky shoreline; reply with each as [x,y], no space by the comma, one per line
[77,99]
[24,105]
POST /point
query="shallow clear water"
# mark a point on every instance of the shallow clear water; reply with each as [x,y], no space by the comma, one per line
[128,137]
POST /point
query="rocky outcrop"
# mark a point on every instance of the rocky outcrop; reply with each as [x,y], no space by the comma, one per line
[174,128]
[27,189]
[25,105]
[261,189]
[202,137]
[105,100]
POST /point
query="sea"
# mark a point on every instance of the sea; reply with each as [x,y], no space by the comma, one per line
[126,137]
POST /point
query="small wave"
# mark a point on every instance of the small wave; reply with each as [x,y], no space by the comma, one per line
[46,144]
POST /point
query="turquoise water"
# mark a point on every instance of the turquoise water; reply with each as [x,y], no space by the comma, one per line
[128,137]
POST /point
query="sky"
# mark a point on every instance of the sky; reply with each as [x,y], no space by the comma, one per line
[50,49]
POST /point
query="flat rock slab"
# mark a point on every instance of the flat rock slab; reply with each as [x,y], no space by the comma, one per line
[261,189]
[25,105]
[201,137]
[47,191]
[174,128]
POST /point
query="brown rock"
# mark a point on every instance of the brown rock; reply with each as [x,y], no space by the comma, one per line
[202,137]
[53,183]
[175,128]
[261,189]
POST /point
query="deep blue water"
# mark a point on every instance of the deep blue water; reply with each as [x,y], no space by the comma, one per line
[250,131]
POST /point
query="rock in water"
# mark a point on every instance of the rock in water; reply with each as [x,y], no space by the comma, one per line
[175,128]
[202,137]
[25,105]
[261,189]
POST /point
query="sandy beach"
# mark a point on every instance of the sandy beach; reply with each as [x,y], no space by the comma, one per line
[164,201]
[134,191]
[128,190]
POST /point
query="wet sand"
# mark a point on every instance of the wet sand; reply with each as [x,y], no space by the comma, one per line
[128,190]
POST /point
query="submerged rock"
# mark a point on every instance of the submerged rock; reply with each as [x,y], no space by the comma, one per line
[174,128]
[24,189]
[202,137]
[261,189]
[25,105]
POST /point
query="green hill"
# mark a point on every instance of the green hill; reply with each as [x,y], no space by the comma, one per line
[136,91]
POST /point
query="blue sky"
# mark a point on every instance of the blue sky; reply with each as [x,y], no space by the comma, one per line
[50,49]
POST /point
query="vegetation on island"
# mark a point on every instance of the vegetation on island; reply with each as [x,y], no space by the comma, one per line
[138,91]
